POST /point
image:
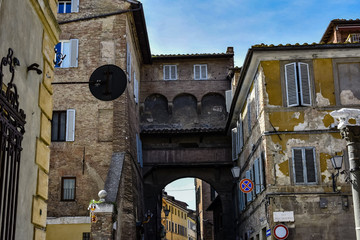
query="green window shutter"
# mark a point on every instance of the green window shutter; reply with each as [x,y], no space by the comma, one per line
[310,165]
[304,78]
[291,85]
[298,166]
[70,125]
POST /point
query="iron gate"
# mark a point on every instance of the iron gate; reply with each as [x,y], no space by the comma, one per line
[12,122]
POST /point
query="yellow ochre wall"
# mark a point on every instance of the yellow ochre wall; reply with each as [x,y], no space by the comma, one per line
[66,231]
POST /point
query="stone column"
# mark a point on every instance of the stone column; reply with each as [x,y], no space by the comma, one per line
[351,133]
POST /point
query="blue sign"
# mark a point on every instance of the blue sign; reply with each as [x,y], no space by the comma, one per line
[268,232]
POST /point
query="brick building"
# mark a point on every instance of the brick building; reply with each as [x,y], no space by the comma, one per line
[284,138]
[341,31]
[95,144]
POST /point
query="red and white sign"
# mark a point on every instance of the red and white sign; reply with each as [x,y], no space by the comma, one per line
[281,231]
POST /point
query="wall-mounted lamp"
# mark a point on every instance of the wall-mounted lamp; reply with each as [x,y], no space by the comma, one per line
[166,211]
[235,171]
[337,163]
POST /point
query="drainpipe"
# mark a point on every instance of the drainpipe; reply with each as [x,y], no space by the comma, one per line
[351,133]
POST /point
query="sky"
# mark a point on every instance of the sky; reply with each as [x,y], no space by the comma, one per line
[210,26]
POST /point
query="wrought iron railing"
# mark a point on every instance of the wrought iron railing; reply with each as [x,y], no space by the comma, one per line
[12,122]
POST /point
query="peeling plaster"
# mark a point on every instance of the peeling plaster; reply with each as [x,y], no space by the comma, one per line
[347,97]
[313,119]
[321,101]
[296,115]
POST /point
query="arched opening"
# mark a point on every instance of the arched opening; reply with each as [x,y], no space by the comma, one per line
[185,111]
[213,110]
[155,110]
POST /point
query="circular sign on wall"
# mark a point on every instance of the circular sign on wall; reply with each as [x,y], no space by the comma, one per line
[246,185]
[281,231]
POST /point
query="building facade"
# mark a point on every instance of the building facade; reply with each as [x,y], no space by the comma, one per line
[341,31]
[284,139]
[95,144]
[28,34]
[205,194]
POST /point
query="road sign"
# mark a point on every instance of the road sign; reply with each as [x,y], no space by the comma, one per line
[246,185]
[268,232]
[281,232]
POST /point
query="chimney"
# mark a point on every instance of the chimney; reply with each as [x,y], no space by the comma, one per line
[230,50]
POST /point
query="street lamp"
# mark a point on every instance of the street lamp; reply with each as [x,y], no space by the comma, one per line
[235,172]
[337,163]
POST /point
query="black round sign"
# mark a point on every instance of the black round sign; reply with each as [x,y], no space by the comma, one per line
[107,82]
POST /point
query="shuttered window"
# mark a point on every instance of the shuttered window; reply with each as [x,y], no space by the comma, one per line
[240,135]
[304,165]
[128,61]
[136,89]
[63,126]
[68,49]
[228,98]
[259,175]
[68,6]
[200,71]
[170,72]
[139,150]
[248,195]
[297,80]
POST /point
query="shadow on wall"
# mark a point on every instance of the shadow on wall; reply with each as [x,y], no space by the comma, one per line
[184,112]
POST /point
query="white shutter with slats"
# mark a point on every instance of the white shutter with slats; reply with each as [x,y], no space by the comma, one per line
[136,89]
[291,85]
[228,98]
[74,52]
[203,72]
[173,72]
[74,5]
[233,145]
[196,72]
[166,72]
[304,78]
[70,125]
[257,176]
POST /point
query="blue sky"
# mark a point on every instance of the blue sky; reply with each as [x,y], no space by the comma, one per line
[210,26]
[183,190]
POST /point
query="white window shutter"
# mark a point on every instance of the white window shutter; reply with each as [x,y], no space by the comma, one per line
[173,72]
[257,176]
[203,72]
[70,125]
[128,61]
[228,98]
[241,133]
[74,52]
[136,89]
[237,140]
[74,5]
[291,85]
[304,78]
[233,139]
[257,106]
[197,72]
[166,72]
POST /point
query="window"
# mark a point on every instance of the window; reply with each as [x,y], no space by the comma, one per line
[63,126]
[128,61]
[136,89]
[200,71]
[139,150]
[68,188]
[297,81]
[68,6]
[259,175]
[170,72]
[304,165]
[69,49]
[86,236]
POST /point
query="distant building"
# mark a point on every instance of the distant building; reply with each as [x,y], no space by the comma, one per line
[205,194]
[191,227]
[342,31]
[284,139]
[176,223]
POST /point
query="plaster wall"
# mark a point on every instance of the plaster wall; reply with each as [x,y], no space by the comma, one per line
[67,231]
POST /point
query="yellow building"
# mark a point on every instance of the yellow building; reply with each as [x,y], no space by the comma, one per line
[284,138]
[175,224]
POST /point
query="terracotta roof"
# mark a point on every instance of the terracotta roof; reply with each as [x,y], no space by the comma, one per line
[180,131]
[195,55]
[330,29]
[302,46]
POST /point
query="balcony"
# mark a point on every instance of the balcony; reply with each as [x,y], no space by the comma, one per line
[353,37]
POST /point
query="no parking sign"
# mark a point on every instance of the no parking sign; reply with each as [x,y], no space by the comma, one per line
[281,231]
[246,185]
